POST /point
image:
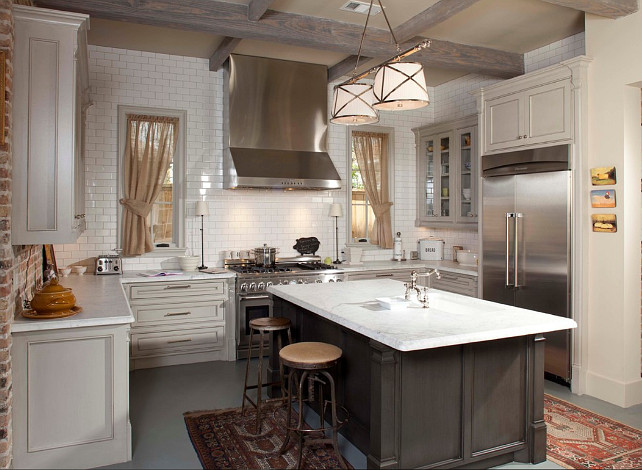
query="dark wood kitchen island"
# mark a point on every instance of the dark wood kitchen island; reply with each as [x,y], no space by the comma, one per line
[458,384]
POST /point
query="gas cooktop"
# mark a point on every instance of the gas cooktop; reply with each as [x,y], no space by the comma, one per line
[283,268]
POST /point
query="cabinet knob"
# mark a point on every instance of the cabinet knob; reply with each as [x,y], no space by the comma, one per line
[519,137]
[525,136]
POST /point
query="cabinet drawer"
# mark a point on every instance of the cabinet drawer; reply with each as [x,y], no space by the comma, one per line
[186,289]
[457,283]
[188,340]
[184,312]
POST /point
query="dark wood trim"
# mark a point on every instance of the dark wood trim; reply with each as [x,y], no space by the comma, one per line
[225,48]
[437,13]
[230,19]
[608,8]
[257,8]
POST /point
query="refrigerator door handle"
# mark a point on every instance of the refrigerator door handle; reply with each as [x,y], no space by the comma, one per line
[509,215]
[517,216]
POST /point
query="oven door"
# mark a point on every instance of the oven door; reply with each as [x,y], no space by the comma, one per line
[251,306]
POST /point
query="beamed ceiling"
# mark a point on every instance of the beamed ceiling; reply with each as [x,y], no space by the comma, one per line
[467,36]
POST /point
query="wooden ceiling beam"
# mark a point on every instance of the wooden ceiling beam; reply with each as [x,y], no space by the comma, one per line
[257,8]
[230,19]
[608,8]
[432,16]
[345,67]
[223,51]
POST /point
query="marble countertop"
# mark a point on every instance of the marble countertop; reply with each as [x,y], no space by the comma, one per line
[451,319]
[451,266]
[103,299]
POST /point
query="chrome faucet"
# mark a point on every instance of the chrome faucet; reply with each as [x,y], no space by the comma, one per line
[422,296]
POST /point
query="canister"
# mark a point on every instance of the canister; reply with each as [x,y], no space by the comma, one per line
[430,248]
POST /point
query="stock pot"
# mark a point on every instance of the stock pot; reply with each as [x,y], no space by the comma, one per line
[265,255]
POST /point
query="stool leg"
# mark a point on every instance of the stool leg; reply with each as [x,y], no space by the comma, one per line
[335,441]
[300,422]
[294,376]
[247,371]
[321,410]
[259,387]
[281,371]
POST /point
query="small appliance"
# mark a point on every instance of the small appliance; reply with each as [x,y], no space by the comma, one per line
[430,249]
[109,264]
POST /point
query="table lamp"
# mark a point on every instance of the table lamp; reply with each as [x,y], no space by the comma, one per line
[336,211]
[202,210]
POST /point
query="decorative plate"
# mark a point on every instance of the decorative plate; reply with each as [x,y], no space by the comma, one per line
[49,316]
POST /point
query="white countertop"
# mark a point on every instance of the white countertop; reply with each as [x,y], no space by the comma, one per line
[103,299]
[451,266]
[451,319]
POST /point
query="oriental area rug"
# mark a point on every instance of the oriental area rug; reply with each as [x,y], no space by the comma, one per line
[224,439]
[578,438]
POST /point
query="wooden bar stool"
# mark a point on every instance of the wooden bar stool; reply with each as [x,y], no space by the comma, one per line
[312,360]
[264,326]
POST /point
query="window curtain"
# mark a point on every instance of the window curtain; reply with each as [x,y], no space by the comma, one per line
[371,150]
[149,149]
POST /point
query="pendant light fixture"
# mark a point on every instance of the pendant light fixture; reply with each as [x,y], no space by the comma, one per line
[397,86]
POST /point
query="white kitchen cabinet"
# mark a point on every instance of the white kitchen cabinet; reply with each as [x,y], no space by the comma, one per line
[71,397]
[51,97]
[180,322]
[456,282]
[532,110]
[447,173]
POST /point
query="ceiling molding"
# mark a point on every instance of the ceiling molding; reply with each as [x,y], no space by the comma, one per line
[432,16]
[608,8]
[223,51]
[257,8]
[230,19]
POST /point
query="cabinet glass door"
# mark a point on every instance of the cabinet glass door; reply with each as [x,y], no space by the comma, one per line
[430,178]
[444,154]
[467,176]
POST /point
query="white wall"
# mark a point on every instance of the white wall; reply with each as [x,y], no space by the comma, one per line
[243,219]
[612,288]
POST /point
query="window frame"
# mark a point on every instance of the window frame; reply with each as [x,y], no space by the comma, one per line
[179,160]
[390,131]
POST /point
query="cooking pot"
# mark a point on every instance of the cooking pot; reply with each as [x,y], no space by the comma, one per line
[265,255]
[53,298]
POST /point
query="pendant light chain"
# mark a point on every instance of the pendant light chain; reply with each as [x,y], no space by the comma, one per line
[388,23]
[363,35]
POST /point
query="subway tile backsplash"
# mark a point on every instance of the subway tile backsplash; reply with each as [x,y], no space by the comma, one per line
[243,219]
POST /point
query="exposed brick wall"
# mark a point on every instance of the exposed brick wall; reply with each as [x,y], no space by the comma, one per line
[20,266]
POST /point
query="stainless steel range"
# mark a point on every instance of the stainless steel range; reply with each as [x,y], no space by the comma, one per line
[253,300]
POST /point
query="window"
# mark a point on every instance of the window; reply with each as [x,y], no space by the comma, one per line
[364,227]
[166,218]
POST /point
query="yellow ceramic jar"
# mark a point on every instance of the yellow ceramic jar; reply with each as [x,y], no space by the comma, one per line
[53,298]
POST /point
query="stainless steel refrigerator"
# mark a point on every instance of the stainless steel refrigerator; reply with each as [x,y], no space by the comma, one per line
[526,239]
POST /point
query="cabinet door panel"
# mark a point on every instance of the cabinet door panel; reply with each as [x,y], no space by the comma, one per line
[549,112]
[503,122]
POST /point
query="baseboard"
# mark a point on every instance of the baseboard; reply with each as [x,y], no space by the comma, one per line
[620,393]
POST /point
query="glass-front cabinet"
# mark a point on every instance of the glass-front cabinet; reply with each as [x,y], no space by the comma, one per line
[447,173]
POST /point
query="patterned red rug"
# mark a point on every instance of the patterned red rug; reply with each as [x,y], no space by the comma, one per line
[225,439]
[578,438]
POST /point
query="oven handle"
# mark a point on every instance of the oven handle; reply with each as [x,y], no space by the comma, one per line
[253,297]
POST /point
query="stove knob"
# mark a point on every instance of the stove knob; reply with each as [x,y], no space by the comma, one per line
[304,281]
[261,286]
[269,283]
[300,281]
[252,286]
[292,282]
[339,280]
[331,280]
[243,287]
[318,281]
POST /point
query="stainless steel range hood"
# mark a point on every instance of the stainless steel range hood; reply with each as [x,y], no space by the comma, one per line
[275,125]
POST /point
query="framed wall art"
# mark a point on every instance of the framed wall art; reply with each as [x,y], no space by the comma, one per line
[603,176]
[604,223]
[603,198]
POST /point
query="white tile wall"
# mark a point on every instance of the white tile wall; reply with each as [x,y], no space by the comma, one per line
[554,53]
[243,219]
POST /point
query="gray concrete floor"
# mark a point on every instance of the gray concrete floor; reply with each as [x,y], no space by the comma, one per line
[160,396]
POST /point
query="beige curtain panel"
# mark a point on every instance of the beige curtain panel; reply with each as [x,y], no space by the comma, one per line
[371,150]
[149,149]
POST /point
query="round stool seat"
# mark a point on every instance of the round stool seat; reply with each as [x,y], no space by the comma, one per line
[310,356]
[270,323]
